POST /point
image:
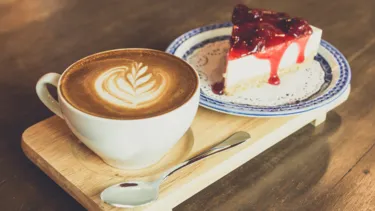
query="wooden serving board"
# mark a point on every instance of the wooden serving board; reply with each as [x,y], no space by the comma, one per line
[56,151]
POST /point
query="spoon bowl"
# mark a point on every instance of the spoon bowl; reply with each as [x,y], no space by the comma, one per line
[136,194]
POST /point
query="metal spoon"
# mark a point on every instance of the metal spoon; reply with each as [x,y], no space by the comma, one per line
[137,193]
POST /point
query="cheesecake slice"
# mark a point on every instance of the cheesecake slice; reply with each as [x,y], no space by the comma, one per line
[264,46]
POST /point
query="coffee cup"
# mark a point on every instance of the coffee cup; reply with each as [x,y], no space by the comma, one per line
[129,106]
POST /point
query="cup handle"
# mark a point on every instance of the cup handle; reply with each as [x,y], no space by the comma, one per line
[45,96]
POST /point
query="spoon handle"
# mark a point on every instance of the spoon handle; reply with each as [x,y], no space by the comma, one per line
[232,141]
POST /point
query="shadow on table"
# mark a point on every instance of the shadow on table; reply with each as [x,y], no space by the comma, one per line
[281,178]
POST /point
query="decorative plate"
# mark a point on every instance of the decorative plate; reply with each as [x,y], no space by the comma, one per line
[317,85]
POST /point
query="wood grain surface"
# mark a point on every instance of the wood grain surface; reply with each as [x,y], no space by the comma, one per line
[326,168]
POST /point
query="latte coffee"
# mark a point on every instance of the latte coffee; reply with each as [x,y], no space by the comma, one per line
[128,84]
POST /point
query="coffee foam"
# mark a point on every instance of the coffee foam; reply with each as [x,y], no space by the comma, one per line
[128,85]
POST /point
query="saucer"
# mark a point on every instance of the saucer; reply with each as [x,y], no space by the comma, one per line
[177,154]
[310,88]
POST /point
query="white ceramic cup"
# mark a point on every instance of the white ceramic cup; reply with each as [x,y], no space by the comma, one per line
[124,144]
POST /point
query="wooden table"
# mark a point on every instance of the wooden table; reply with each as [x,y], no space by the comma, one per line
[331,167]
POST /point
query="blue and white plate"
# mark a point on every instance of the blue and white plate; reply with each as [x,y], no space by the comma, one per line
[317,85]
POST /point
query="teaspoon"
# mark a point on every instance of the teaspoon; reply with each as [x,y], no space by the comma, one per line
[137,193]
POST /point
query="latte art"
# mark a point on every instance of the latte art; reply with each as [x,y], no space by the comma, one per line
[129,84]
[131,87]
